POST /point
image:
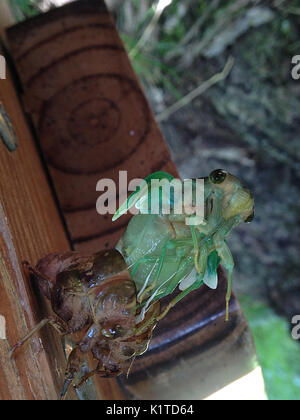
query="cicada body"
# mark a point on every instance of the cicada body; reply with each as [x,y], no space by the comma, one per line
[163,251]
[151,257]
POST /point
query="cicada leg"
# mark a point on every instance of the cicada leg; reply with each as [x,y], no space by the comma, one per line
[228,263]
[196,248]
[171,244]
[130,366]
[203,254]
[225,254]
[145,259]
[140,261]
[180,296]
[157,273]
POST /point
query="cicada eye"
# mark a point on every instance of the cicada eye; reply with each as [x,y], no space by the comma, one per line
[217,176]
[250,218]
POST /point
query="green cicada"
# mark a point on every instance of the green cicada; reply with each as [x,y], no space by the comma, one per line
[165,249]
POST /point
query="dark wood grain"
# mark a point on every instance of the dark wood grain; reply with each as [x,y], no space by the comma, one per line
[92,120]
[89,111]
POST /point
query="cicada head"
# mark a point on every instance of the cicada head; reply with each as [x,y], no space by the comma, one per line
[236,198]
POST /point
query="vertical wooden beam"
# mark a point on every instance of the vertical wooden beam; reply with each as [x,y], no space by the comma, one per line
[30,227]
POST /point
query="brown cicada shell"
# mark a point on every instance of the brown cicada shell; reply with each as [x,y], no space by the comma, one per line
[94,295]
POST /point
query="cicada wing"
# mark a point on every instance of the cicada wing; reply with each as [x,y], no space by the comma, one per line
[211,280]
[140,197]
[188,280]
[171,275]
[131,201]
[211,276]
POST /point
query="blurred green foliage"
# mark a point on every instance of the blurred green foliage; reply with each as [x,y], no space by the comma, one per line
[278,352]
[151,70]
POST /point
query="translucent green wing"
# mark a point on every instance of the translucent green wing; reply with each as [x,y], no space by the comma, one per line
[141,197]
[211,275]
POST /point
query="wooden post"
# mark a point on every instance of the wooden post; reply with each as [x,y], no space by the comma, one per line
[30,227]
[92,121]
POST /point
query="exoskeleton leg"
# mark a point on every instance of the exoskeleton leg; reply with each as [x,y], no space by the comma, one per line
[74,364]
[54,322]
[45,282]
[88,375]
[100,370]
[75,361]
